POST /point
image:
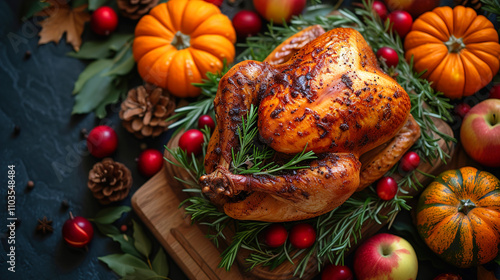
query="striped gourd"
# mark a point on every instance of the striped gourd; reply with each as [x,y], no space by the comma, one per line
[458,216]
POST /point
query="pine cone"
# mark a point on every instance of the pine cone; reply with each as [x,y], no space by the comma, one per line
[109,181]
[474,4]
[145,109]
[134,9]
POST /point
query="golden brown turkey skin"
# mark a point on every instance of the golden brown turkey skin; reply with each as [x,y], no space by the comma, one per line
[331,96]
[301,194]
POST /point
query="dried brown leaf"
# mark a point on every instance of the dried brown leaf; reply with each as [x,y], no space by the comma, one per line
[60,19]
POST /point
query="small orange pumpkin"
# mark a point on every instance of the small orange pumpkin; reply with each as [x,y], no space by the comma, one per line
[458,216]
[178,42]
[458,48]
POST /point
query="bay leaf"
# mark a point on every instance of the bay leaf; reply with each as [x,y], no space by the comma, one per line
[90,71]
[93,92]
[107,229]
[142,242]
[124,66]
[160,263]
[110,214]
[126,243]
[92,50]
[123,264]
[141,274]
[99,49]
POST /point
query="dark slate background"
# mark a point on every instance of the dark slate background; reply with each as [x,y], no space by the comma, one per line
[49,150]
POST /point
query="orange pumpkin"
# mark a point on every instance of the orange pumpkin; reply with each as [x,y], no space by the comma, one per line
[178,42]
[458,216]
[458,48]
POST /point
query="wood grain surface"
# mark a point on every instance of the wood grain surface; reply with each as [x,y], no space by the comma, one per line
[157,201]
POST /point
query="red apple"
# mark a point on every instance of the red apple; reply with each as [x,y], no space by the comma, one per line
[279,11]
[414,7]
[385,256]
[480,132]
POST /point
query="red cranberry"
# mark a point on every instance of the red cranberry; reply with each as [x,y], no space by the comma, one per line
[104,21]
[191,142]
[150,161]
[206,120]
[246,23]
[102,141]
[410,161]
[387,188]
[389,55]
[275,235]
[380,8]
[302,236]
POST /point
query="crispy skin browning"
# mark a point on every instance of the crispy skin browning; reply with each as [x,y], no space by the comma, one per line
[307,190]
[296,195]
[290,46]
[331,96]
[377,165]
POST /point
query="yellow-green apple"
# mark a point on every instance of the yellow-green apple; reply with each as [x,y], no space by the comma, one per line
[480,132]
[279,11]
[414,7]
[385,256]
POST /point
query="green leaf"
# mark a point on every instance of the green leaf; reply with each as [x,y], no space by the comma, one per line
[123,264]
[90,71]
[92,50]
[102,48]
[31,7]
[142,243]
[112,97]
[117,41]
[93,93]
[110,214]
[94,4]
[141,274]
[107,229]
[124,66]
[160,263]
[126,243]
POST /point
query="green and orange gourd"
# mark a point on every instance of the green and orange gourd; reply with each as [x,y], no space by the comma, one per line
[458,216]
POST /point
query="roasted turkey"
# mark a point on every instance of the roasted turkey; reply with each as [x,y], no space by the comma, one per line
[319,90]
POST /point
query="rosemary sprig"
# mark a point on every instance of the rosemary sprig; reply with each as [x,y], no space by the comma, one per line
[492,6]
[243,159]
[251,159]
[207,214]
[246,233]
[185,117]
[193,165]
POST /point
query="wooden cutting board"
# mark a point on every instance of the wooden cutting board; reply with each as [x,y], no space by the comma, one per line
[157,204]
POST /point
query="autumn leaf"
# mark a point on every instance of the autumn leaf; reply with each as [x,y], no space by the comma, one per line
[60,19]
